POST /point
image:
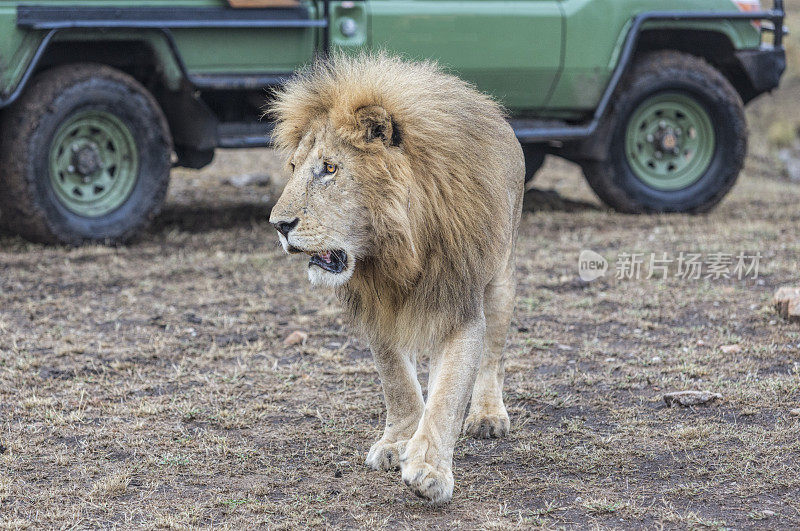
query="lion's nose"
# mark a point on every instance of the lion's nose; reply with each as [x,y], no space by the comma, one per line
[284,227]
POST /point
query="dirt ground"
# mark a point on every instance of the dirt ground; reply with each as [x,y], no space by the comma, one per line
[148,386]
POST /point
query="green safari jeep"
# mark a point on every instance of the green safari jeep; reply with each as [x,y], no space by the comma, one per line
[100,98]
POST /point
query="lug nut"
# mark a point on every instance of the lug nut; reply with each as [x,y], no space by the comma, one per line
[662,124]
[71,168]
[649,138]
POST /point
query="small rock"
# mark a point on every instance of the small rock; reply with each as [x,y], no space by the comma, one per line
[700,343]
[730,349]
[611,360]
[767,512]
[795,412]
[298,337]
[561,346]
[690,398]
[656,359]
[248,179]
[787,303]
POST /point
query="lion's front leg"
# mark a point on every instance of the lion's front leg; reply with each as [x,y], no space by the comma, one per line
[427,461]
[403,397]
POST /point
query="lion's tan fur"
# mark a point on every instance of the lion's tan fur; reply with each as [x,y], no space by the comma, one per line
[431,198]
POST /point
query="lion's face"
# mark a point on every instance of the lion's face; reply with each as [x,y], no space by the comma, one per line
[321,211]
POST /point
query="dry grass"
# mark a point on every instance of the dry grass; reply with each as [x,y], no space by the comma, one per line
[148,386]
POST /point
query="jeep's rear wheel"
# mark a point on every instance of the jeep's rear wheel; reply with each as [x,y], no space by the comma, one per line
[86,156]
[678,138]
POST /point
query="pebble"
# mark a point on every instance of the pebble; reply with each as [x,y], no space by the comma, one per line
[787,303]
[298,337]
[731,349]
[795,412]
[656,359]
[690,398]
[767,512]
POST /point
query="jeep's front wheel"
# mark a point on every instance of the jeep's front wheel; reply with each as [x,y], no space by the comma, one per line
[678,138]
[85,157]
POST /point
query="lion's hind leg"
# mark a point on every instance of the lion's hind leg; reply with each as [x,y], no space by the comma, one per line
[487,414]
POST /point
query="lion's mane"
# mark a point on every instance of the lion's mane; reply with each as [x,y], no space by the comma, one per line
[429,191]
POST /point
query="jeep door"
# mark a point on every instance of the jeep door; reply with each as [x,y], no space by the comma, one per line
[264,37]
[511,49]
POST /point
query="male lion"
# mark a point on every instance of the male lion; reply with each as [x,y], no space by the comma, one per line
[406,190]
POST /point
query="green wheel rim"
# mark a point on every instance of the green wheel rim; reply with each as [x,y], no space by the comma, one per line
[669,141]
[94,163]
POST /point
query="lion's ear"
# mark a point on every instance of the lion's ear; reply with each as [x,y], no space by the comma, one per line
[375,125]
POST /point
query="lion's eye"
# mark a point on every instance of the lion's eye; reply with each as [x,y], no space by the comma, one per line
[330,167]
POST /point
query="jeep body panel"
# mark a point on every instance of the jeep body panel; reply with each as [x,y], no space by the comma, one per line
[510,49]
[186,37]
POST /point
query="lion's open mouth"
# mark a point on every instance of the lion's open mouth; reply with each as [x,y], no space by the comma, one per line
[331,261]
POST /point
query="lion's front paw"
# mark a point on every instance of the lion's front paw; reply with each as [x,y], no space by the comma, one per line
[431,482]
[385,455]
[486,426]
[434,484]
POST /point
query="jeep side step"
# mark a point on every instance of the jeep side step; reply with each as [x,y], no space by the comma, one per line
[257,134]
[244,134]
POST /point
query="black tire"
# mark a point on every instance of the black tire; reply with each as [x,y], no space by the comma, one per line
[29,204]
[669,72]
